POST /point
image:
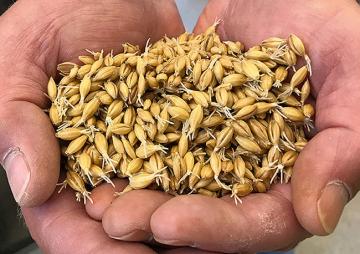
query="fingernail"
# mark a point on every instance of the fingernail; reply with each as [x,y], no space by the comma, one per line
[174,242]
[331,203]
[17,171]
[136,235]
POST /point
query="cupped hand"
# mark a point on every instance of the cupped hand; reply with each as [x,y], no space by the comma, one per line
[36,35]
[326,174]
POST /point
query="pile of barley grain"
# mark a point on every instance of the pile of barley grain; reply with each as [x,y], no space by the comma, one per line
[192,114]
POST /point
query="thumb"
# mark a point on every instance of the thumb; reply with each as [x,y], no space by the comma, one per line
[29,152]
[326,176]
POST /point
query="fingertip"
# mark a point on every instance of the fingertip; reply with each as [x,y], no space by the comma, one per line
[102,196]
[128,217]
[177,220]
[137,235]
[186,250]
[333,198]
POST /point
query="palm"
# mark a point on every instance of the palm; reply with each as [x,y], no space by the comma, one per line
[275,220]
[35,37]
[327,29]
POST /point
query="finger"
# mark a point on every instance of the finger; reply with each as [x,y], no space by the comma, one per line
[29,152]
[262,222]
[61,225]
[102,196]
[185,250]
[326,176]
[128,217]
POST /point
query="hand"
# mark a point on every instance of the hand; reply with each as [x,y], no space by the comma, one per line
[36,35]
[326,173]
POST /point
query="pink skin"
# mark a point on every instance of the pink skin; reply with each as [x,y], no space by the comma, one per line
[282,217]
[61,225]
[36,35]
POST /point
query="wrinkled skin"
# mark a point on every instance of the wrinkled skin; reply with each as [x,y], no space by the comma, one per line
[34,39]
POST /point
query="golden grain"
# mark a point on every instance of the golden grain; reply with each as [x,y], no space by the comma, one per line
[191,114]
